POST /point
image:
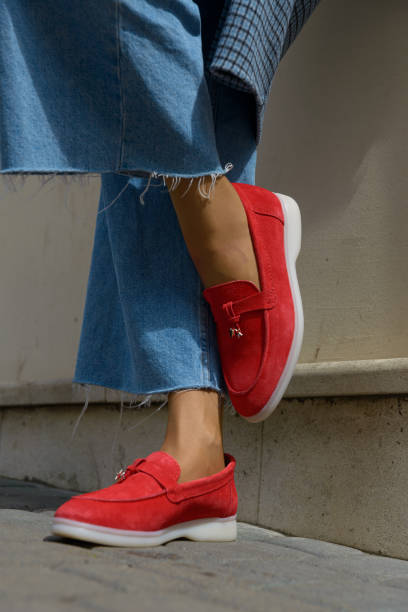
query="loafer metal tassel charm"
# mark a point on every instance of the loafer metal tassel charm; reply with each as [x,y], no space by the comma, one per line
[120,475]
[235,332]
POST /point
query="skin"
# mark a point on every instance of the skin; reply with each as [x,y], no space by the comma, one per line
[217,237]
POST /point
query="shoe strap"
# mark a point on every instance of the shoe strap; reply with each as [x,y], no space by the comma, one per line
[158,473]
[149,468]
[131,469]
[264,300]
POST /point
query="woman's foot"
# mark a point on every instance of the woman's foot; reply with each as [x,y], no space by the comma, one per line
[147,506]
[244,242]
[260,333]
[194,433]
[186,489]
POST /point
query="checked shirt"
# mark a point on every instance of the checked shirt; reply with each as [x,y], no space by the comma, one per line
[251,38]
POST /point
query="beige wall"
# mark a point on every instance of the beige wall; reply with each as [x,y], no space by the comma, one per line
[45,248]
[335,138]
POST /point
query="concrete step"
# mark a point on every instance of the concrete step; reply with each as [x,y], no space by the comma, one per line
[334,469]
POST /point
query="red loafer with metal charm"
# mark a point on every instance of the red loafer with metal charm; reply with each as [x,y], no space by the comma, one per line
[147,506]
[260,333]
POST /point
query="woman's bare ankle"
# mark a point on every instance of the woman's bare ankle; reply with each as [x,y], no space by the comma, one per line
[194,433]
[200,462]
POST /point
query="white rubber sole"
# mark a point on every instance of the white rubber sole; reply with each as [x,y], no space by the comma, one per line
[203,530]
[292,239]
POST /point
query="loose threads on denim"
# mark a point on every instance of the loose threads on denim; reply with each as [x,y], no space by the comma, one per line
[144,403]
[118,426]
[149,416]
[175,182]
[115,199]
[141,197]
[214,177]
[85,406]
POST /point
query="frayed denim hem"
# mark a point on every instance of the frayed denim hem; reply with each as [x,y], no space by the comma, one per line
[145,400]
[14,180]
[176,181]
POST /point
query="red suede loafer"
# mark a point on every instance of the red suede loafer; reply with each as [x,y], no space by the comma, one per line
[147,507]
[260,333]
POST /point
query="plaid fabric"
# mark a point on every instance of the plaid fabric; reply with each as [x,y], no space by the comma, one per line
[251,38]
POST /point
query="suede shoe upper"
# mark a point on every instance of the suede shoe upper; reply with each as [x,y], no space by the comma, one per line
[255,328]
[147,497]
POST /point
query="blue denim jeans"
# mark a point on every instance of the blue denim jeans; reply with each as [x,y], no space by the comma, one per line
[116,87]
[104,86]
[146,326]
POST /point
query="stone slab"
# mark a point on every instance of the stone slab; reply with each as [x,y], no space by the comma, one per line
[320,379]
[334,469]
[261,571]
[337,469]
[36,442]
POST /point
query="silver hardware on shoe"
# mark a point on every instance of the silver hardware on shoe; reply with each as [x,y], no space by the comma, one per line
[120,475]
[235,332]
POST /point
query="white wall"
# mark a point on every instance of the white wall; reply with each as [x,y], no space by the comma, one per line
[335,138]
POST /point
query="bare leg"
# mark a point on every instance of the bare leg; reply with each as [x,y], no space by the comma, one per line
[194,433]
[216,232]
[217,237]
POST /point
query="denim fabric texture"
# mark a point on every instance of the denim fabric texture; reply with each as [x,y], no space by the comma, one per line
[104,86]
[90,88]
[139,88]
[146,326]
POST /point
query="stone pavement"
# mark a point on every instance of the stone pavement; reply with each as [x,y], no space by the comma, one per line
[263,570]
